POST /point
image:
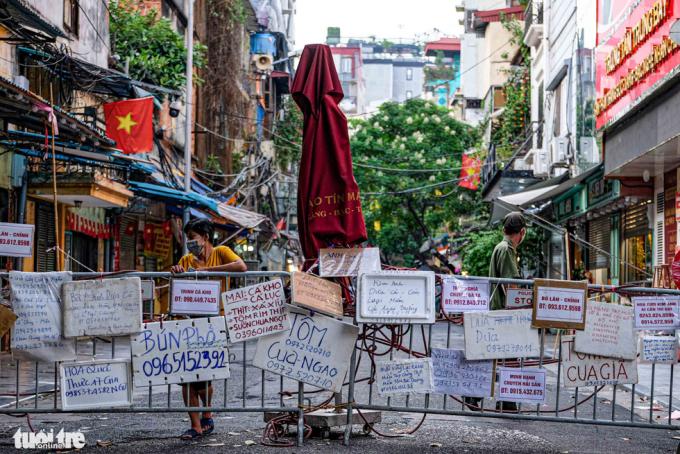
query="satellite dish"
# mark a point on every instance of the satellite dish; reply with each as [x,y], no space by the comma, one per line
[674,33]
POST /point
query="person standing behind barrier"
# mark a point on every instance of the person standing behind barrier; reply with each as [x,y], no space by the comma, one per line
[203,256]
[503,264]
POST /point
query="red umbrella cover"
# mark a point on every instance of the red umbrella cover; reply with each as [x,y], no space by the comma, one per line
[329,206]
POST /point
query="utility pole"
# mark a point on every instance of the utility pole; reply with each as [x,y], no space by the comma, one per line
[188,111]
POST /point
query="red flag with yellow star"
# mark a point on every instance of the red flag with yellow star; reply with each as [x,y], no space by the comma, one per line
[470,173]
[130,124]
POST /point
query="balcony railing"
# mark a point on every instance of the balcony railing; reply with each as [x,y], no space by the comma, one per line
[533,15]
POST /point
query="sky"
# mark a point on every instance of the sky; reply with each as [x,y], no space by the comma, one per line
[384,19]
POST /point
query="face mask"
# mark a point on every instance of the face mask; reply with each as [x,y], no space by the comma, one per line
[194,247]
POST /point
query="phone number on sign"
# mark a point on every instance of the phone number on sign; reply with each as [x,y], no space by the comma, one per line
[312,379]
[186,361]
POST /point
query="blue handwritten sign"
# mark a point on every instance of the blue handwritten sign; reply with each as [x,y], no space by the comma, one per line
[404,376]
[500,334]
[95,384]
[455,375]
[315,350]
[180,351]
[37,333]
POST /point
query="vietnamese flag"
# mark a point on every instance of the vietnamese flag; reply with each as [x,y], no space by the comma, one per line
[130,124]
[470,173]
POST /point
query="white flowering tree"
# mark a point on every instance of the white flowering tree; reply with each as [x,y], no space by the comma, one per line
[407,160]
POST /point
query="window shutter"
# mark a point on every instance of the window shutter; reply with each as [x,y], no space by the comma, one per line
[45,238]
[658,229]
[599,234]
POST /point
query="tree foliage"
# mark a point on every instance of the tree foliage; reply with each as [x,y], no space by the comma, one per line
[155,52]
[288,134]
[407,163]
[477,252]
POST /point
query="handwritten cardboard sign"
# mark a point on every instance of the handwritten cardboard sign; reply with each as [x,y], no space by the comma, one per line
[455,375]
[315,350]
[521,385]
[516,298]
[16,240]
[37,333]
[659,349]
[256,310]
[500,334]
[194,297]
[348,262]
[404,376]
[180,351]
[106,307]
[559,304]
[464,295]
[96,384]
[657,312]
[7,319]
[394,297]
[582,369]
[316,294]
[608,331]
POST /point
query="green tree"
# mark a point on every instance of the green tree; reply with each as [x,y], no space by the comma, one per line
[288,134]
[407,162]
[154,51]
[477,251]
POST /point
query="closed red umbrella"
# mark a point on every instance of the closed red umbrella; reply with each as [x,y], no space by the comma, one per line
[329,207]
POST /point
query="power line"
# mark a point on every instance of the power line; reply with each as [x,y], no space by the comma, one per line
[96,30]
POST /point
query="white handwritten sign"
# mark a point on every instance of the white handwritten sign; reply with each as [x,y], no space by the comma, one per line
[96,384]
[608,331]
[404,376]
[464,295]
[521,385]
[37,333]
[106,307]
[657,312]
[500,334]
[348,262]
[316,293]
[315,350]
[455,375]
[256,310]
[16,240]
[194,297]
[659,349]
[559,304]
[180,351]
[396,297]
[518,298]
[582,369]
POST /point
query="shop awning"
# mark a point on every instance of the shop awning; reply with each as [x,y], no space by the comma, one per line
[19,16]
[98,192]
[242,217]
[537,193]
[164,193]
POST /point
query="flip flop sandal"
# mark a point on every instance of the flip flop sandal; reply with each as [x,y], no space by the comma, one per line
[190,434]
[208,425]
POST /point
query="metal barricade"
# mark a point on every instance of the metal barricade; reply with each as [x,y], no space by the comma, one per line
[33,387]
[647,404]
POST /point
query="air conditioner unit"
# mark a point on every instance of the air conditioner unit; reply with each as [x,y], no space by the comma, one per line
[560,149]
[262,62]
[541,163]
[588,150]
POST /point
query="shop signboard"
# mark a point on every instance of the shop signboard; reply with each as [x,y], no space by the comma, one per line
[634,57]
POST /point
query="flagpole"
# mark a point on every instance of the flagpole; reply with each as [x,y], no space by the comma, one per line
[188,112]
